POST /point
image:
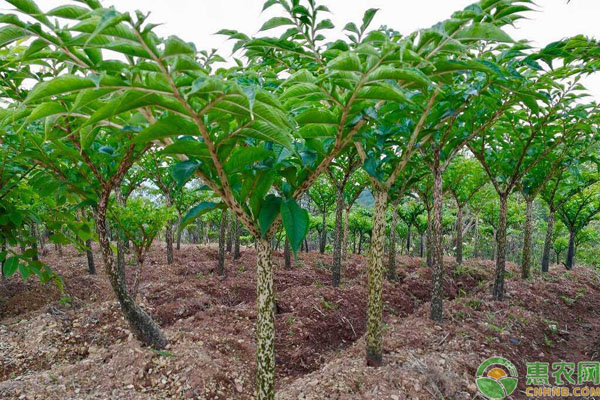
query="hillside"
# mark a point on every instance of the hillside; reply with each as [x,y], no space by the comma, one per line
[80,347]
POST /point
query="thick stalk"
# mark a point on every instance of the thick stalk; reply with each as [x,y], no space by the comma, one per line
[548,242]
[265,323]
[169,235]
[498,292]
[375,282]
[437,251]
[137,276]
[429,239]
[527,240]
[90,257]
[179,232]
[323,239]
[408,241]
[476,237]
[360,240]
[236,241]
[120,241]
[140,322]
[337,239]
[459,236]
[230,234]
[571,251]
[42,237]
[287,256]
[222,232]
[169,240]
[345,239]
[392,249]
[3,249]
[494,244]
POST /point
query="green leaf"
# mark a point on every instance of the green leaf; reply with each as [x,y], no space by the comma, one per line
[191,148]
[368,18]
[182,171]
[316,131]
[25,271]
[483,31]
[109,18]
[351,26]
[199,210]
[405,75]
[267,132]
[383,93]
[9,34]
[510,10]
[46,109]
[175,46]
[268,213]
[243,156]
[34,47]
[295,221]
[10,266]
[316,116]
[69,12]
[60,85]
[269,3]
[171,125]
[29,7]
[325,24]
[129,101]
[346,62]
[275,22]
[372,167]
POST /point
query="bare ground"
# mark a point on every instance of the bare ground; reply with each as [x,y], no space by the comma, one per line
[52,349]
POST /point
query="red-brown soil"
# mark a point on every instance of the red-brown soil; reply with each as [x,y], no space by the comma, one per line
[81,349]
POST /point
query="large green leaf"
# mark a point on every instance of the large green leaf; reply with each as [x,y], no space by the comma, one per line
[199,210]
[69,12]
[386,72]
[60,85]
[275,22]
[183,171]
[132,100]
[191,148]
[295,221]
[46,109]
[9,34]
[29,7]
[175,46]
[346,62]
[483,31]
[10,266]
[244,156]
[268,212]
[317,116]
[171,125]
[267,132]
[382,93]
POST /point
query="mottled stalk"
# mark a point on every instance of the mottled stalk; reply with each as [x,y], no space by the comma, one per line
[375,283]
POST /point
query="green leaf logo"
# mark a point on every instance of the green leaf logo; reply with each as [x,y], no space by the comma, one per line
[496,378]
